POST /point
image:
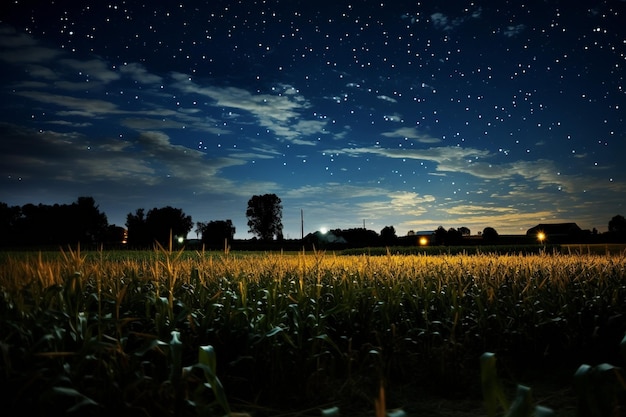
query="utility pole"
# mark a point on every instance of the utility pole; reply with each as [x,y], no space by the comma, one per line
[302,224]
[363,223]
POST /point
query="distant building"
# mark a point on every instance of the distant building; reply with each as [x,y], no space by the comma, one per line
[555,231]
[421,238]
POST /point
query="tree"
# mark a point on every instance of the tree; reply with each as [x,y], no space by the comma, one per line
[200,226]
[90,224]
[167,221]
[145,229]
[454,236]
[58,224]
[441,235]
[115,236]
[489,234]
[357,237]
[214,233]
[264,215]
[617,225]
[464,231]
[138,234]
[388,235]
[9,218]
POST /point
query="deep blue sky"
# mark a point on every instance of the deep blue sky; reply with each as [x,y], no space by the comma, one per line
[389,113]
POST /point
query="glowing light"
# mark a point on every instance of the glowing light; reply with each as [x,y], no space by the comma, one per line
[541,236]
[423,241]
[323,230]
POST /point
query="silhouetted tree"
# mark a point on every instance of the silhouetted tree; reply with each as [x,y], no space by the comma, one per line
[214,233]
[89,224]
[464,231]
[9,218]
[441,236]
[617,225]
[199,228]
[357,237]
[137,228]
[79,222]
[114,236]
[453,237]
[264,215]
[167,222]
[156,225]
[489,234]
[388,235]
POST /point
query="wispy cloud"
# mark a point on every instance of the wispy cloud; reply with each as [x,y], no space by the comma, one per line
[93,68]
[475,162]
[399,203]
[411,133]
[513,30]
[76,106]
[387,98]
[139,73]
[21,48]
[445,23]
[75,158]
[280,113]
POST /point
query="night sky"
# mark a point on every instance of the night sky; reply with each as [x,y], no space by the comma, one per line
[385,113]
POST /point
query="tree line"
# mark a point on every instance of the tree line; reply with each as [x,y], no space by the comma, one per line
[83,222]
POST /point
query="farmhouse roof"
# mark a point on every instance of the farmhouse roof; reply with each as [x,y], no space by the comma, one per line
[555,229]
[424,232]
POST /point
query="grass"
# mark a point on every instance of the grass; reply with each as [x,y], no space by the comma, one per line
[168,332]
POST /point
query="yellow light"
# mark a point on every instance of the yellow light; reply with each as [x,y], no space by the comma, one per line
[423,241]
[541,236]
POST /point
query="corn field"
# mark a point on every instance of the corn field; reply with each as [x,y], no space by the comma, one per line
[177,333]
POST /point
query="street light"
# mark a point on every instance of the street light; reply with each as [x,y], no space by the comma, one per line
[541,236]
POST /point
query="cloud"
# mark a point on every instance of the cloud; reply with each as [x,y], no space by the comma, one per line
[55,157]
[10,38]
[140,123]
[411,133]
[340,191]
[41,72]
[94,68]
[77,106]
[395,117]
[512,31]
[264,106]
[473,162]
[443,22]
[21,48]
[279,113]
[387,98]
[151,159]
[66,123]
[440,21]
[180,160]
[399,203]
[139,73]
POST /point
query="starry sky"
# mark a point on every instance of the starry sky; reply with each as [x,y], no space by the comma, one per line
[411,114]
